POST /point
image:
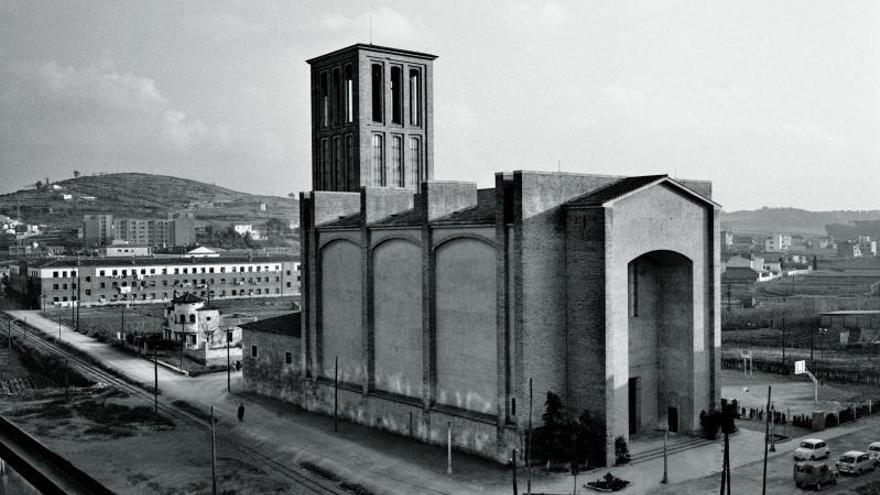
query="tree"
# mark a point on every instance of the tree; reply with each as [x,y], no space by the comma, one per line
[277,226]
[39,184]
[76,174]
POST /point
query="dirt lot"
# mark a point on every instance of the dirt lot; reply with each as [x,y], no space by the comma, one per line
[790,392]
[118,440]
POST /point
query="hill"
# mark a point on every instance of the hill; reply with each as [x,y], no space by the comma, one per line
[139,195]
[792,220]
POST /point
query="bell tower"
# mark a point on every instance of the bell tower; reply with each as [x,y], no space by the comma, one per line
[372,118]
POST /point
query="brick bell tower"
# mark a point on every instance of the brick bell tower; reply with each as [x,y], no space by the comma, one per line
[372,118]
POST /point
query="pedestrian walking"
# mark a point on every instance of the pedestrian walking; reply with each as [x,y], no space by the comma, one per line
[241,413]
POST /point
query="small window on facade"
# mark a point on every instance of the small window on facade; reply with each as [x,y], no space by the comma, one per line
[349,95]
[415,98]
[54,274]
[376,91]
[54,299]
[88,278]
[55,286]
[288,284]
[103,285]
[101,273]
[378,162]
[115,273]
[253,351]
[288,357]
[88,292]
[192,318]
[64,274]
[397,95]
[325,100]
[397,174]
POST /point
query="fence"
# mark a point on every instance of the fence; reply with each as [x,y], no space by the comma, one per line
[865,377]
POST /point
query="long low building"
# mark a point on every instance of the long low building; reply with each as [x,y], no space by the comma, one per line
[95,281]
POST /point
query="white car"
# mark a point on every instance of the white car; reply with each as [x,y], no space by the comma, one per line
[854,462]
[811,449]
[874,452]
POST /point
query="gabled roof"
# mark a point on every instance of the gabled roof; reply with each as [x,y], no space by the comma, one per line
[629,185]
[286,324]
[344,222]
[187,299]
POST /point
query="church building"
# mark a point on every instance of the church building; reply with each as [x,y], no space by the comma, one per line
[435,302]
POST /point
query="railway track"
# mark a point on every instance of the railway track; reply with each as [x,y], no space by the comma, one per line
[303,481]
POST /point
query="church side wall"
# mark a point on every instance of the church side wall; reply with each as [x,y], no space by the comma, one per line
[466,330]
[340,316]
[540,274]
[397,313]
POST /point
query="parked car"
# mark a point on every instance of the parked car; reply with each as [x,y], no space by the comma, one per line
[854,462]
[814,473]
[811,449]
[874,452]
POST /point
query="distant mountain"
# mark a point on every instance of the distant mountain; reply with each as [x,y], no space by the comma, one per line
[63,204]
[792,220]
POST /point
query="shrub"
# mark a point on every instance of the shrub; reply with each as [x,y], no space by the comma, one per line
[830,420]
[621,450]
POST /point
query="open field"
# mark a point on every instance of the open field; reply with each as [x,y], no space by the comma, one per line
[106,321]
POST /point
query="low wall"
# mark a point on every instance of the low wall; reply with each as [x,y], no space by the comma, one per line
[471,432]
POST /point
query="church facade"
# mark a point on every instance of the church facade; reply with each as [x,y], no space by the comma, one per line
[429,305]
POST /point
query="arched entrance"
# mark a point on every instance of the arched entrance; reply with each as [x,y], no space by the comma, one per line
[661,341]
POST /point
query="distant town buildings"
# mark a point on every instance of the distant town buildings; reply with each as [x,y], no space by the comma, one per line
[777,243]
[175,230]
[126,250]
[95,281]
[247,229]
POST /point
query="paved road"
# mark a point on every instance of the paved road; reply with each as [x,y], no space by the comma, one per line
[406,467]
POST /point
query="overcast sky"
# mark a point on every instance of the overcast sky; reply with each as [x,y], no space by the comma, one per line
[778,103]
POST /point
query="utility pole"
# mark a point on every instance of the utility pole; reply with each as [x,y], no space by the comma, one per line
[122,324]
[155,382]
[529,445]
[228,362]
[513,466]
[78,297]
[766,438]
[66,380]
[449,447]
[783,341]
[336,396]
[10,343]
[213,455]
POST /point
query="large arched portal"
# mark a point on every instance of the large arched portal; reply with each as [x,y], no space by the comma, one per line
[661,341]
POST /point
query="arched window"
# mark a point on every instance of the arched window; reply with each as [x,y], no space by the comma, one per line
[349,95]
[397,95]
[338,107]
[337,156]
[376,75]
[325,100]
[415,98]
[415,161]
